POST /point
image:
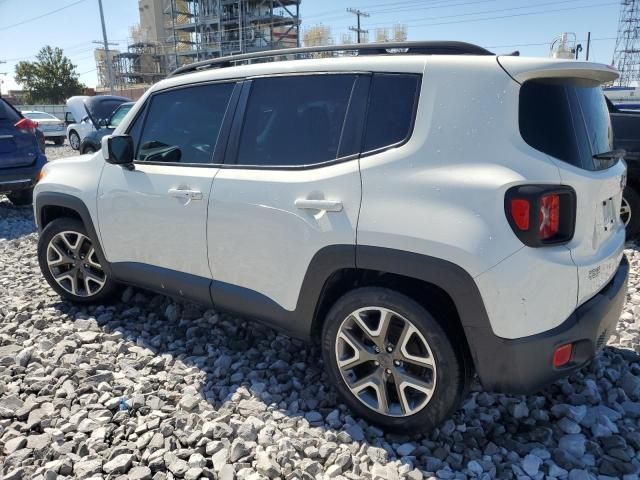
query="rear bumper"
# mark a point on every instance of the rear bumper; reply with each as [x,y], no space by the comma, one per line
[21,178]
[524,365]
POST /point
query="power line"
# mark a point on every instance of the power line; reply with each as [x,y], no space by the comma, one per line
[543,12]
[358,30]
[7,27]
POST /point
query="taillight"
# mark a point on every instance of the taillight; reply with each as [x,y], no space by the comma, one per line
[549,216]
[26,124]
[541,214]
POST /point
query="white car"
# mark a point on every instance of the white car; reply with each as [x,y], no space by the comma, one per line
[90,114]
[51,126]
[424,213]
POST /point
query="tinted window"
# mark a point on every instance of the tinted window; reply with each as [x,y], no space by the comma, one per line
[294,120]
[182,125]
[7,113]
[392,104]
[568,122]
[135,128]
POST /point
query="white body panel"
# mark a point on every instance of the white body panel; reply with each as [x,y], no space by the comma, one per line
[440,194]
[259,239]
[144,222]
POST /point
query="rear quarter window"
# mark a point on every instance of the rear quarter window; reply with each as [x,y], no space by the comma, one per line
[392,105]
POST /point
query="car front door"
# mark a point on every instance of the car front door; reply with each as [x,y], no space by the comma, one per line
[152,217]
[290,188]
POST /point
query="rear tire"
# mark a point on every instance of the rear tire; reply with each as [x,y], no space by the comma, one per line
[74,140]
[630,211]
[71,265]
[88,149]
[21,198]
[58,140]
[365,364]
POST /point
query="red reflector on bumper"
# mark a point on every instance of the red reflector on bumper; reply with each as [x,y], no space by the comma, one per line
[562,355]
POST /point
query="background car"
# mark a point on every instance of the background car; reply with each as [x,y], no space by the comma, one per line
[51,126]
[90,113]
[21,154]
[92,142]
[626,135]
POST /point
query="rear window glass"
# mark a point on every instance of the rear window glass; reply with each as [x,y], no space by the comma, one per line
[7,113]
[39,116]
[391,109]
[568,122]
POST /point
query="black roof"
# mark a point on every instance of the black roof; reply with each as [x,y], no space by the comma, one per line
[391,48]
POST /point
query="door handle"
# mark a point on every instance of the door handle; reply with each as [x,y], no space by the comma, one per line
[185,194]
[326,205]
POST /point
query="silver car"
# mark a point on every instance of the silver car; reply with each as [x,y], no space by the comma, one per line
[51,126]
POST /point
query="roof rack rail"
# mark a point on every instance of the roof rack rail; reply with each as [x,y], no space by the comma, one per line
[416,48]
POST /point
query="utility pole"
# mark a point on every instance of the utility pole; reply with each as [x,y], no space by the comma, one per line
[106,49]
[358,30]
[588,44]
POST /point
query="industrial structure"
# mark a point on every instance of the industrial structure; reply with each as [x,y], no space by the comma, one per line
[173,33]
[626,57]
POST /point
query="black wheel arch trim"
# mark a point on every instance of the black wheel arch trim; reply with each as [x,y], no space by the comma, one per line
[65,200]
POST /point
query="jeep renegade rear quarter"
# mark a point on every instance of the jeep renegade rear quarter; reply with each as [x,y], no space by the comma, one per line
[423,216]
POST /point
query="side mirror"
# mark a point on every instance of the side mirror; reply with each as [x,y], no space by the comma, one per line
[118,149]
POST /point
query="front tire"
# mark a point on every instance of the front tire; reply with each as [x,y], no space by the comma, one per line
[391,361]
[74,140]
[88,149]
[630,211]
[70,263]
[21,198]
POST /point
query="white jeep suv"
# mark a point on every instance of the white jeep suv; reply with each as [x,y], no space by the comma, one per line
[426,213]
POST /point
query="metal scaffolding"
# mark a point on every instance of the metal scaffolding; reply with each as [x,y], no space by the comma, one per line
[203,29]
[626,57]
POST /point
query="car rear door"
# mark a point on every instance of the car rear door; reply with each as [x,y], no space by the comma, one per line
[290,187]
[18,147]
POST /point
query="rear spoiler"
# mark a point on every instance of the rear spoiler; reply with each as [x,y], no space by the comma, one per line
[522,69]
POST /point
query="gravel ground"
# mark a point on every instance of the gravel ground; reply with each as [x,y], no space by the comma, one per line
[150,388]
[53,152]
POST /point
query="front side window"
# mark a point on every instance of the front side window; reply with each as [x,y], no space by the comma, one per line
[295,120]
[182,125]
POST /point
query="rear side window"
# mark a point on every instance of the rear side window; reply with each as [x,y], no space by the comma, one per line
[566,121]
[182,125]
[392,105]
[294,121]
[7,113]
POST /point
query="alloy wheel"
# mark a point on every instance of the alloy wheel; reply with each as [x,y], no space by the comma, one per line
[74,264]
[74,140]
[625,212]
[385,361]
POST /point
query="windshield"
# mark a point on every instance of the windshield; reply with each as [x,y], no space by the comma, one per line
[567,121]
[119,114]
[101,109]
[39,116]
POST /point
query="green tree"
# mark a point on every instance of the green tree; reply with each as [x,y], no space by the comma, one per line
[52,78]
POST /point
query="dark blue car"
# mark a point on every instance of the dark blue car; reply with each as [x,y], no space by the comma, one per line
[21,155]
